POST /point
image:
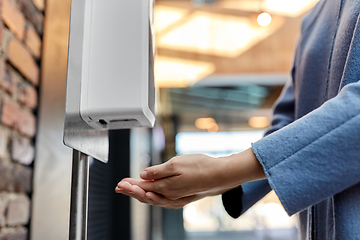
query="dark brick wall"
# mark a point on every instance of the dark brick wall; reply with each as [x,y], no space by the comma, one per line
[21,26]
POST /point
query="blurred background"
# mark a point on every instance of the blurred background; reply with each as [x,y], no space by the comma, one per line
[220,66]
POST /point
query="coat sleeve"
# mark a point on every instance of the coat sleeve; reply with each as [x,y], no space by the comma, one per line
[239,200]
[318,155]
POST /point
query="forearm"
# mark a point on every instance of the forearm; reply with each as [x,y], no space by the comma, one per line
[240,168]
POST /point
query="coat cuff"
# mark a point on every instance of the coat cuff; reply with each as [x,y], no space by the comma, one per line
[232,201]
[240,199]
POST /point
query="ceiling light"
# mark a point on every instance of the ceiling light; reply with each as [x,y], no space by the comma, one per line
[216,34]
[176,72]
[204,123]
[213,127]
[166,16]
[264,19]
[259,122]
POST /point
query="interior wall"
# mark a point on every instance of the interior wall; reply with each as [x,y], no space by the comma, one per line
[21,28]
[51,196]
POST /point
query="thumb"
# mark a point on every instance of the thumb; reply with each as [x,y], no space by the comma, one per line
[157,172]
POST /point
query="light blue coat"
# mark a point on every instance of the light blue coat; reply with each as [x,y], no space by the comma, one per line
[311,153]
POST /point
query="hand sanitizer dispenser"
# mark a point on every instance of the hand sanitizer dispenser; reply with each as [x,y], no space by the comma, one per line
[110,85]
[117,80]
[110,81]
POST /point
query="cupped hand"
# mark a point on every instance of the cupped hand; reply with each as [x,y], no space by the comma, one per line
[130,187]
[183,176]
[187,178]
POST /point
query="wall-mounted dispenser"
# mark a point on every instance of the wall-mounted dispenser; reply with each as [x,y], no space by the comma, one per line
[110,84]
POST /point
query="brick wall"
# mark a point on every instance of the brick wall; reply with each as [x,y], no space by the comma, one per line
[21,25]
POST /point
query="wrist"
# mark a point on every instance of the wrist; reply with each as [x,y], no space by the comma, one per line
[242,167]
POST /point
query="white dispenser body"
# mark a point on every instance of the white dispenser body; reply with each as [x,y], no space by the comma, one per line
[117,89]
[110,78]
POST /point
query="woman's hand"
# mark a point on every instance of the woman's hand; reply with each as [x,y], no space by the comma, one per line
[174,184]
[183,176]
[130,187]
[190,177]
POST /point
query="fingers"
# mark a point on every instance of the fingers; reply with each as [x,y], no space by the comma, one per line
[167,203]
[162,201]
[132,191]
[131,181]
[127,187]
[165,186]
[148,186]
[160,171]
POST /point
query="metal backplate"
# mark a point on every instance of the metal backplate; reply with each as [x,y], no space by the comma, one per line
[77,134]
